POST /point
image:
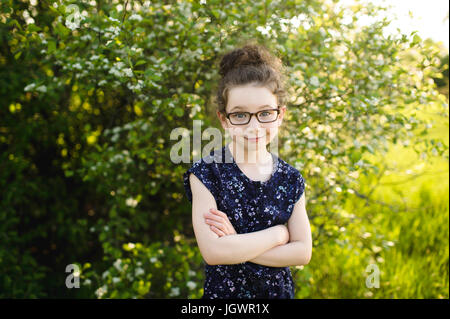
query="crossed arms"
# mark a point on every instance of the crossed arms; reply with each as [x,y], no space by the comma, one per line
[276,246]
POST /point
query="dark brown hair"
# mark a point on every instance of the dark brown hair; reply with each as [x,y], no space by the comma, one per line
[251,63]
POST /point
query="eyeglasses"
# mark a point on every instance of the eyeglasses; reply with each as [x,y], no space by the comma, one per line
[263,116]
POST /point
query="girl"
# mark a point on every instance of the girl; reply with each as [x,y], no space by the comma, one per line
[240,204]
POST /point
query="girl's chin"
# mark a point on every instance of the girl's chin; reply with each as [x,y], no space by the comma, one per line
[252,142]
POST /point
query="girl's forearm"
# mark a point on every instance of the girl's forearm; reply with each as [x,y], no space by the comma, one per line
[239,248]
[291,254]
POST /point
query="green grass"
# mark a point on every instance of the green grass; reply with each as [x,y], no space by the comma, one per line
[404,231]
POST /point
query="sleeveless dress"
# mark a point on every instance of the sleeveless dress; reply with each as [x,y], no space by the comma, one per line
[250,206]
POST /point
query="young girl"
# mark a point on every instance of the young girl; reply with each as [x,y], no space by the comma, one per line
[242,195]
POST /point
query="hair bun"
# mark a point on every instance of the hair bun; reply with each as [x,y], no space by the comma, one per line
[251,63]
[247,55]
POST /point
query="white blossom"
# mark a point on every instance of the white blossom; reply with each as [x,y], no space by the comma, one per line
[263,30]
[136,17]
[112,32]
[113,19]
[191,273]
[115,72]
[306,130]
[174,292]
[131,202]
[72,25]
[138,86]
[101,291]
[139,271]
[314,81]
[191,285]
[86,37]
[119,70]
[118,264]
[29,87]
[128,72]
[42,89]
[137,50]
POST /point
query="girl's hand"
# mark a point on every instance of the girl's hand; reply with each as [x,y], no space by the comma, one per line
[219,223]
[284,239]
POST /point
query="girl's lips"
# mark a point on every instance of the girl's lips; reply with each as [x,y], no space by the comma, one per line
[253,138]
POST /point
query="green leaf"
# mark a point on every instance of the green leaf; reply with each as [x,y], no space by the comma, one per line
[33,28]
[140,62]
[416,40]
[61,30]
[51,46]
[17,24]
[68,173]
[179,111]
[355,156]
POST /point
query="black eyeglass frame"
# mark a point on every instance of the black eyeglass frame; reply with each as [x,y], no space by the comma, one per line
[251,114]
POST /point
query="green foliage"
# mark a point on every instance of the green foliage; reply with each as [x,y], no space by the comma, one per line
[142,272]
[90,92]
[403,244]
[441,78]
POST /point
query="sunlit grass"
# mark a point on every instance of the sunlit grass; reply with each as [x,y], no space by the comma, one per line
[408,213]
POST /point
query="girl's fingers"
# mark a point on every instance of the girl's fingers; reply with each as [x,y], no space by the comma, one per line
[219,213]
[223,221]
[217,231]
[220,220]
[216,224]
[214,217]
[222,227]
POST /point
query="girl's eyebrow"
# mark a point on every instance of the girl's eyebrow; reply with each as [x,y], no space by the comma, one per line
[243,107]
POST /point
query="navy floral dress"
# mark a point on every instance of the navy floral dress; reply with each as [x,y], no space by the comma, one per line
[250,206]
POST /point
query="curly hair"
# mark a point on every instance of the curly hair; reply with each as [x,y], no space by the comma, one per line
[254,64]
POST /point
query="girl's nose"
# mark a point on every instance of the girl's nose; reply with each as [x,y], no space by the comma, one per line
[254,123]
[254,127]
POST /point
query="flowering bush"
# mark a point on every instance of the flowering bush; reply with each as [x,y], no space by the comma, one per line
[91,91]
[154,271]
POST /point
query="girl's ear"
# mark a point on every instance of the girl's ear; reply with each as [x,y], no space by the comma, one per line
[222,119]
[281,115]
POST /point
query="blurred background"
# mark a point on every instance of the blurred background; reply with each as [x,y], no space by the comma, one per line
[91,205]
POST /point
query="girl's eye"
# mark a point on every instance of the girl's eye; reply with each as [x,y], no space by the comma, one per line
[240,115]
[265,113]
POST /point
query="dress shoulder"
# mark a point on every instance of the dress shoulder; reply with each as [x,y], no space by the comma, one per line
[205,170]
[299,185]
[295,180]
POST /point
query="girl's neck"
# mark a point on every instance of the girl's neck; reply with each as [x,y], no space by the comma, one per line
[250,157]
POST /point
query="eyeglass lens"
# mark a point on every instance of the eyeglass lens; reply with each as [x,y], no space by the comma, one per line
[262,116]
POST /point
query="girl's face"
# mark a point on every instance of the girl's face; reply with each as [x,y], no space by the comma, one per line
[251,99]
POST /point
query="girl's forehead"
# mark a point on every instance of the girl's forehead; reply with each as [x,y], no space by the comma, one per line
[251,98]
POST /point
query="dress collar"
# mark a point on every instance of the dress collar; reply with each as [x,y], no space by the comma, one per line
[229,159]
